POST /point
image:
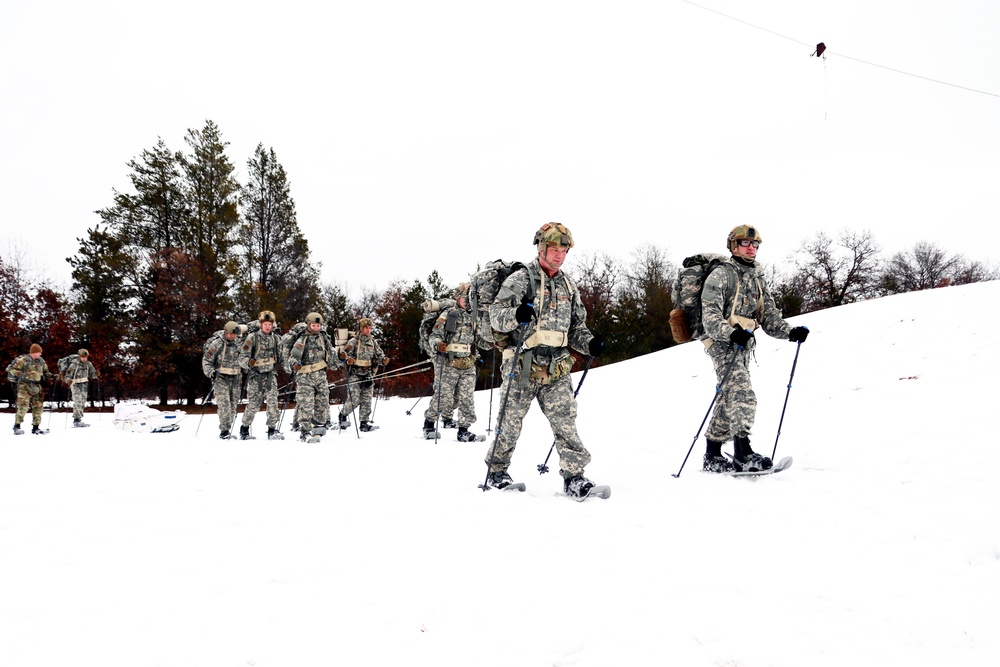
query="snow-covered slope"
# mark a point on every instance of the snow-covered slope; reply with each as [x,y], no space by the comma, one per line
[880,546]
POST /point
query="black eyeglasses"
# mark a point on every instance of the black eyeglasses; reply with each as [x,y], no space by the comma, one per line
[746,243]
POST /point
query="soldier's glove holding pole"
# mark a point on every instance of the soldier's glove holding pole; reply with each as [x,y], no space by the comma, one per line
[524,313]
[740,336]
[596,345]
[798,334]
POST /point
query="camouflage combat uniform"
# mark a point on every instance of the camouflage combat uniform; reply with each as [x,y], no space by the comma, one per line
[78,376]
[315,352]
[562,322]
[454,370]
[736,406]
[221,362]
[29,374]
[262,383]
[366,354]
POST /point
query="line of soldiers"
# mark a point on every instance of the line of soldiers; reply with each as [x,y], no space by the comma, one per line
[29,371]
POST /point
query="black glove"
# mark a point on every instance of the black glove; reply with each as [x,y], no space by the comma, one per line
[740,336]
[596,345]
[524,313]
[798,334]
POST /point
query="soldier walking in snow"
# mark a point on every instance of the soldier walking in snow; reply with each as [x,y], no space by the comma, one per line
[312,353]
[734,303]
[28,372]
[361,354]
[541,301]
[453,338]
[79,372]
[258,355]
[221,364]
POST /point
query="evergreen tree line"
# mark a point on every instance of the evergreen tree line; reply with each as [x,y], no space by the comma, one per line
[191,248]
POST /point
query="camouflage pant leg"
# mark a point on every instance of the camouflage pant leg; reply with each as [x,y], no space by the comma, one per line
[736,405]
[29,397]
[359,395]
[445,395]
[559,406]
[261,388]
[227,397]
[313,400]
[465,393]
[79,392]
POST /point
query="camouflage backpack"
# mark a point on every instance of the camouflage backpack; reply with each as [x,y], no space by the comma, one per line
[685,318]
[11,377]
[483,289]
[432,307]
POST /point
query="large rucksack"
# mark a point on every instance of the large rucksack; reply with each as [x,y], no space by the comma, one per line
[685,318]
[483,289]
[13,379]
[432,308]
[64,363]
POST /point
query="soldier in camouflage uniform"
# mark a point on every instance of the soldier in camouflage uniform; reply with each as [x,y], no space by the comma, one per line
[734,303]
[361,354]
[453,336]
[221,364]
[28,372]
[78,376]
[312,353]
[541,370]
[258,355]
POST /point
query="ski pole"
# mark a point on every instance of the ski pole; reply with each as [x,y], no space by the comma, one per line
[440,380]
[543,467]
[503,404]
[203,401]
[718,389]
[795,361]
[493,367]
[431,388]
[51,407]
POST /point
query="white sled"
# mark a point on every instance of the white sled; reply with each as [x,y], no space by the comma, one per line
[138,418]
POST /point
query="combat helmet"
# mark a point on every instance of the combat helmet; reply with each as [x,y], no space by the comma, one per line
[314,318]
[742,232]
[553,233]
[266,316]
[232,327]
[364,322]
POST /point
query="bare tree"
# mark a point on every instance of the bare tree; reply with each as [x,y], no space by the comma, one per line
[836,275]
[927,266]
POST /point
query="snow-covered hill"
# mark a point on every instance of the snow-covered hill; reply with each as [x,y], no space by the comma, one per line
[880,546]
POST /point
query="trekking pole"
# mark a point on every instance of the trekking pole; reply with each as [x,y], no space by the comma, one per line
[718,390]
[281,418]
[431,388]
[377,391]
[51,400]
[503,404]
[203,402]
[795,361]
[543,467]
[440,381]
[493,368]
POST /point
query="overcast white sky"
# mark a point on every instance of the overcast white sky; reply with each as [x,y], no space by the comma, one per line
[442,134]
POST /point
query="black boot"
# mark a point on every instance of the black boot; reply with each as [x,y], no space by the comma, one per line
[36,429]
[17,429]
[244,432]
[745,459]
[464,435]
[428,429]
[714,461]
[342,421]
[224,435]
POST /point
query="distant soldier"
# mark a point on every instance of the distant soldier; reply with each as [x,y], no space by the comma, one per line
[28,372]
[312,353]
[258,355]
[221,364]
[453,338]
[79,372]
[361,354]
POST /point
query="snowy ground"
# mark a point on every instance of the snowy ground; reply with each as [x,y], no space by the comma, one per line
[881,545]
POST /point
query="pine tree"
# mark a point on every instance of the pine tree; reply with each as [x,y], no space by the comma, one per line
[275,268]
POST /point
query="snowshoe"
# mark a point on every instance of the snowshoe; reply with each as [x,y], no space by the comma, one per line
[577,486]
[245,433]
[18,430]
[79,423]
[716,464]
[465,435]
[752,462]
[430,433]
[272,434]
[499,480]
[344,423]
[225,435]
[366,427]
[38,430]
